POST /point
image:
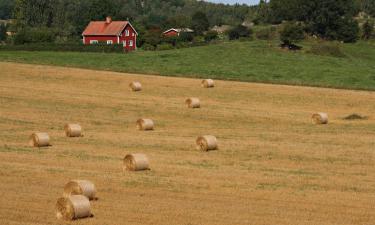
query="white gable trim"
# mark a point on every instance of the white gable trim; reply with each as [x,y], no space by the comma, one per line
[133,28]
[172,29]
[179,30]
[122,30]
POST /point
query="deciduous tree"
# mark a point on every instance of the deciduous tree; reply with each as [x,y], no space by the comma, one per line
[200,22]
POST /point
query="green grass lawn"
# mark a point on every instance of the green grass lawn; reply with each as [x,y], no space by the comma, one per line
[253,61]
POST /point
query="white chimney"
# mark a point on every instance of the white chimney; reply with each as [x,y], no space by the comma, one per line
[108,20]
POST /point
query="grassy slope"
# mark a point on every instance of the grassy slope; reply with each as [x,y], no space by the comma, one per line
[243,61]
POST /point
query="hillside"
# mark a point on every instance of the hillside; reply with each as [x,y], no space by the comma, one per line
[272,167]
[251,61]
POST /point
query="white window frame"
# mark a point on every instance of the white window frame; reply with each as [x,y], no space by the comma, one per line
[131,43]
[124,43]
[132,34]
[126,33]
[109,42]
[92,42]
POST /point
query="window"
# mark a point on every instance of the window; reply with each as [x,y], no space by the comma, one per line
[109,42]
[126,32]
[131,43]
[133,34]
[124,43]
[94,42]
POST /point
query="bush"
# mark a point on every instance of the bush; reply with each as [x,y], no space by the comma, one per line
[291,33]
[140,41]
[199,22]
[239,31]
[348,31]
[182,45]
[152,37]
[3,32]
[367,29]
[233,35]
[210,35]
[198,39]
[265,34]
[327,49]
[71,47]
[344,29]
[186,37]
[165,46]
[20,38]
[148,47]
[243,39]
[171,40]
[34,35]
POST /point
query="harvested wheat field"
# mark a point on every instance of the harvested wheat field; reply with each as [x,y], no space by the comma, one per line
[273,166]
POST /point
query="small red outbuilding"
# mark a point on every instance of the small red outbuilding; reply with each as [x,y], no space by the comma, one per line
[111,32]
[173,32]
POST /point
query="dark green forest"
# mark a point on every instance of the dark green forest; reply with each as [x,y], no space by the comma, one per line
[74,15]
[61,21]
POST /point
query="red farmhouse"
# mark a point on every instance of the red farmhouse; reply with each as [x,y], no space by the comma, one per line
[111,32]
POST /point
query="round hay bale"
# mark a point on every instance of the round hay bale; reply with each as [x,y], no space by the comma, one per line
[145,124]
[208,83]
[135,86]
[73,130]
[39,139]
[135,162]
[206,143]
[319,118]
[80,187]
[73,207]
[193,103]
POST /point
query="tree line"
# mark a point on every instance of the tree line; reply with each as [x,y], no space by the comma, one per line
[62,21]
[69,17]
[327,19]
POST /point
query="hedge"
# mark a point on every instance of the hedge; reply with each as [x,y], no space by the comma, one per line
[64,47]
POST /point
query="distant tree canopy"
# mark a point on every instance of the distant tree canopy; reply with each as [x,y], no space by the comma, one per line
[280,10]
[75,14]
[66,19]
[329,19]
[200,23]
[367,6]
[3,32]
[6,9]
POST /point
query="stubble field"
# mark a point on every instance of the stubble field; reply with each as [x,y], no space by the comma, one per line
[273,165]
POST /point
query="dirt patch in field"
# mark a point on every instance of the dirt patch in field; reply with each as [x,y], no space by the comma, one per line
[355,116]
[273,165]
